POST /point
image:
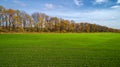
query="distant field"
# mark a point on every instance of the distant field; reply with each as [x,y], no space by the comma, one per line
[60,50]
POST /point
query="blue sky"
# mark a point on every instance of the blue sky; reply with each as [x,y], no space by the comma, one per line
[103,12]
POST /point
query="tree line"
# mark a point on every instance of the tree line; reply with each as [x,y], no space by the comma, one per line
[19,21]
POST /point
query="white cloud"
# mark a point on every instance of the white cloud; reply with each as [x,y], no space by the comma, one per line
[78,2]
[104,17]
[19,3]
[100,1]
[49,6]
[118,1]
[116,6]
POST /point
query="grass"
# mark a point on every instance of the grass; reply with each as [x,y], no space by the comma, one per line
[60,50]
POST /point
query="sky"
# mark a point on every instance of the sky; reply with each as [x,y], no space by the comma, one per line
[102,12]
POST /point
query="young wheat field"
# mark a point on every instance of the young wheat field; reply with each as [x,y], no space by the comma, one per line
[60,50]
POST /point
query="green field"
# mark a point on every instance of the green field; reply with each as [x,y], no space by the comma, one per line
[60,50]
